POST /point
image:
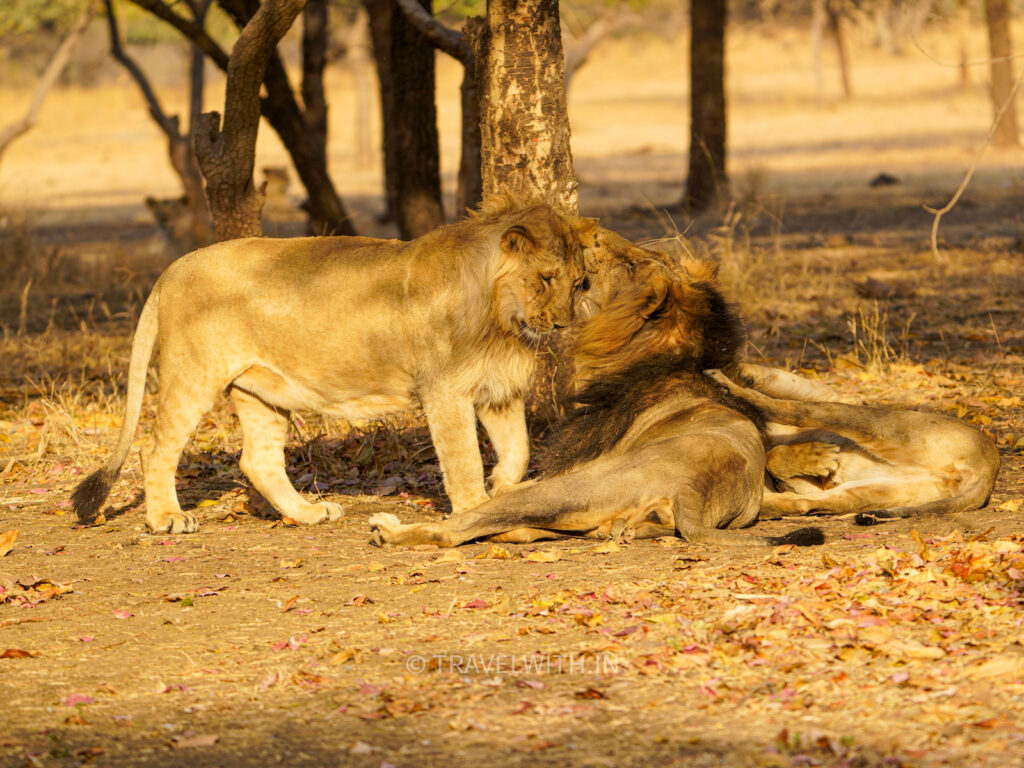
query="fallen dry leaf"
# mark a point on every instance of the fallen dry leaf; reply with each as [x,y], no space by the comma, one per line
[451,556]
[187,740]
[17,653]
[607,548]
[7,539]
[1001,668]
[543,556]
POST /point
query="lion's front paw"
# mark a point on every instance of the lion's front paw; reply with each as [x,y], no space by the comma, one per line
[172,522]
[313,514]
[383,526]
[811,459]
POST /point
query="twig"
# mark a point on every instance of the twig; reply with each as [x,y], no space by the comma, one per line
[49,79]
[23,310]
[940,212]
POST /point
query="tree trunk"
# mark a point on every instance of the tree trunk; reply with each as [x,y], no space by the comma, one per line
[524,126]
[49,78]
[327,214]
[525,151]
[817,38]
[456,45]
[227,156]
[706,177]
[358,60]
[326,211]
[412,162]
[314,59]
[835,25]
[379,12]
[1000,48]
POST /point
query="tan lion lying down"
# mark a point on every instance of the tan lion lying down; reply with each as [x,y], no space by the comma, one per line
[878,463]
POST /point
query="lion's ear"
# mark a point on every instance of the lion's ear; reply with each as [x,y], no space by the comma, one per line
[517,238]
[586,230]
[656,296]
[698,270]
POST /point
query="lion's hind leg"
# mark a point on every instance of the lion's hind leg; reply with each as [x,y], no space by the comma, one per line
[181,404]
[264,432]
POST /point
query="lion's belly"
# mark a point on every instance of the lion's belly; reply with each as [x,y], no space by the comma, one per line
[349,401]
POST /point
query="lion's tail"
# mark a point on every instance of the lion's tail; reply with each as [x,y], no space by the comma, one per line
[90,494]
[701,534]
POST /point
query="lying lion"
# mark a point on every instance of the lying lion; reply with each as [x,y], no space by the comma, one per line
[357,328]
[878,463]
[653,446]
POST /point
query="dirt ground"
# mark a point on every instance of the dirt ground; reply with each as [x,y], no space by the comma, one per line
[255,643]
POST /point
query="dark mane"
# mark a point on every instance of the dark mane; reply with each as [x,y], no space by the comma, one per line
[606,408]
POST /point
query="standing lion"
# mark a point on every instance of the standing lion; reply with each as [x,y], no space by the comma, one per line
[357,328]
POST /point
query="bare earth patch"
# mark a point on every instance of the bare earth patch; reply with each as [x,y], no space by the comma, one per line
[256,643]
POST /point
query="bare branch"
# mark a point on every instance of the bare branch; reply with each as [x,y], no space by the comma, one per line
[48,80]
[193,30]
[168,124]
[451,41]
[579,47]
[940,212]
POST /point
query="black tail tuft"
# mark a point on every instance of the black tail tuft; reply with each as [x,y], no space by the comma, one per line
[801,537]
[877,516]
[90,494]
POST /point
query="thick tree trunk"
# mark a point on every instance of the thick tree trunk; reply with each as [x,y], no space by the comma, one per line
[456,45]
[524,126]
[227,156]
[706,177]
[418,186]
[1000,48]
[525,151]
[412,163]
[327,214]
[314,59]
[379,12]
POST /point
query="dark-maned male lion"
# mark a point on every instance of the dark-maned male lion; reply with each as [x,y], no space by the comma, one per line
[353,327]
[652,446]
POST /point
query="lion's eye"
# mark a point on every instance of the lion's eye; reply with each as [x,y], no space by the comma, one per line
[583,285]
[546,279]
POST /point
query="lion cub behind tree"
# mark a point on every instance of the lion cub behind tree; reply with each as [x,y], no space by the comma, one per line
[357,328]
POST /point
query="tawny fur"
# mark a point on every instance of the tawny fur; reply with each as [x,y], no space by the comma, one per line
[652,447]
[356,328]
[878,463]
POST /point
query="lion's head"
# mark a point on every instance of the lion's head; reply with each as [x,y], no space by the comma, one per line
[656,306]
[541,276]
